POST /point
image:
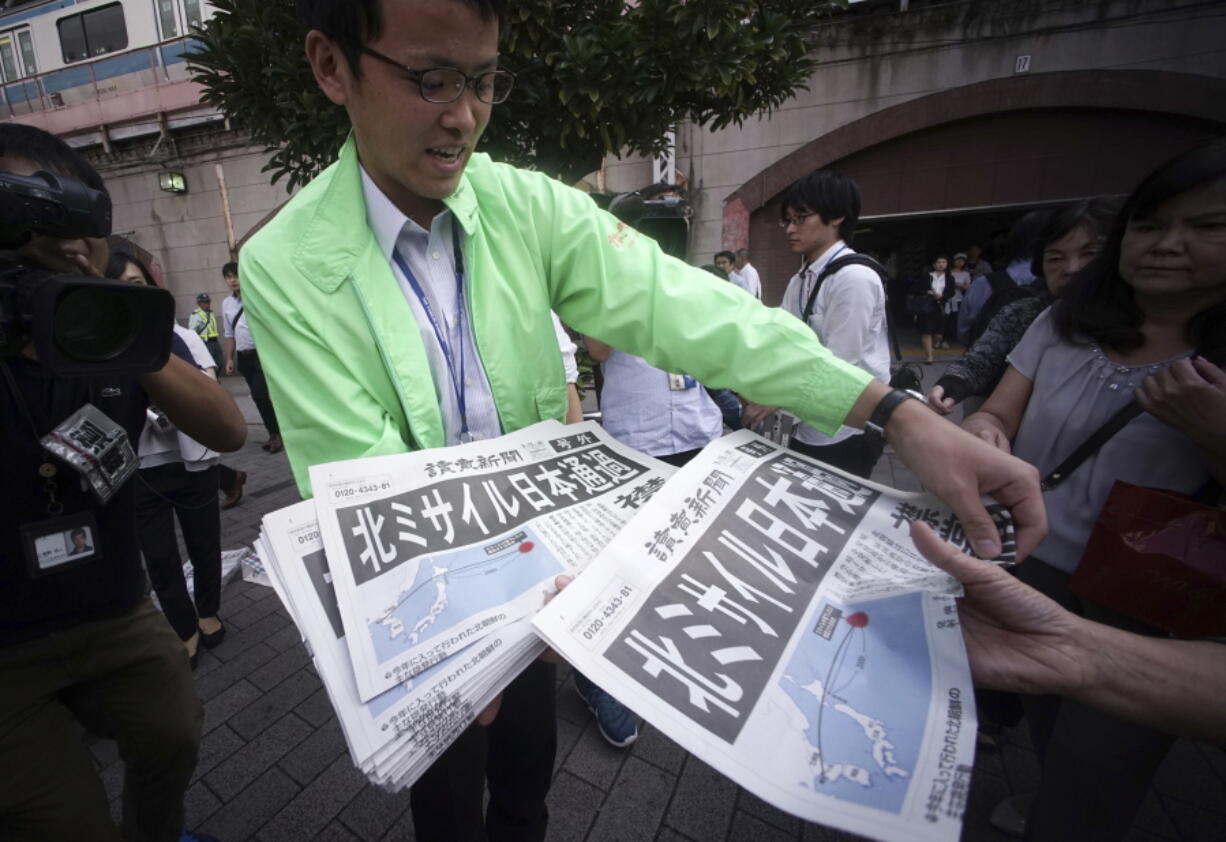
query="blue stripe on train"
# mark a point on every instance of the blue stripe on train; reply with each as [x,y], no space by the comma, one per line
[21,92]
[74,77]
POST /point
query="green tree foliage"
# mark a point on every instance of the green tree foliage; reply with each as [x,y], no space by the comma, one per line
[593,76]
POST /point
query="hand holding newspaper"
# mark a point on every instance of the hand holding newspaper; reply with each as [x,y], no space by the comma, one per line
[772,616]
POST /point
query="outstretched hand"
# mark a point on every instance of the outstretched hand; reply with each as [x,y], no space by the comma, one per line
[1016,638]
[960,469]
[936,400]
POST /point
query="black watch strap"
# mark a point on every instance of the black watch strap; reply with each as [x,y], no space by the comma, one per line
[875,426]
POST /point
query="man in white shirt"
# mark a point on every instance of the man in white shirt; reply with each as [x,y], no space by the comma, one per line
[240,355]
[745,276]
[845,308]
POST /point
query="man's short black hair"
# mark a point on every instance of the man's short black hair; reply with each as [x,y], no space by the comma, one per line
[352,23]
[78,531]
[743,253]
[731,257]
[829,194]
[49,152]
[230,268]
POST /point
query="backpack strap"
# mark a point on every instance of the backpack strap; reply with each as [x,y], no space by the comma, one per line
[834,266]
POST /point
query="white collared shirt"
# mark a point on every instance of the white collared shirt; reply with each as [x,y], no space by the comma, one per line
[234,323]
[157,448]
[747,279]
[431,257]
[849,319]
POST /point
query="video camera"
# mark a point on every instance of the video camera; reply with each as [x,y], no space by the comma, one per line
[78,325]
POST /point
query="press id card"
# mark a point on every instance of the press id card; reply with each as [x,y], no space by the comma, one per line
[58,543]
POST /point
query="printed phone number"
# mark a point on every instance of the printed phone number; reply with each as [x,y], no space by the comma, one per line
[361,489]
[603,613]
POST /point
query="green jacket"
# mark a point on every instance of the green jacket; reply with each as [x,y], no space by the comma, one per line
[345,362]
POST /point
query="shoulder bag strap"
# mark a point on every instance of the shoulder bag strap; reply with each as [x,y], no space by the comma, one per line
[834,266]
[1100,436]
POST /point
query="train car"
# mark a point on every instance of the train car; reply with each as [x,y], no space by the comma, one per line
[56,54]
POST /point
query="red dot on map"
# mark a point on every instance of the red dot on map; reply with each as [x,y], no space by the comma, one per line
[858,620]
[527,547]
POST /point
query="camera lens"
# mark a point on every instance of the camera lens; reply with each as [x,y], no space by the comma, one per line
[93,324]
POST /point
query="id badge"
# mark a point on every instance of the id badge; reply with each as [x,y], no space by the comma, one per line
[59,543]
[681,382]
[97,448]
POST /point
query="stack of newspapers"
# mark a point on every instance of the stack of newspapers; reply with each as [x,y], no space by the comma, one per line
[413,578]
[767,612]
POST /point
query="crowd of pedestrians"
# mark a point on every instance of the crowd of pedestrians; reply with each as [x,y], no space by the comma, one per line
[399,302]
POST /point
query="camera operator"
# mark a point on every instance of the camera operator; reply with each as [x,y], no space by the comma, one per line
[79,637]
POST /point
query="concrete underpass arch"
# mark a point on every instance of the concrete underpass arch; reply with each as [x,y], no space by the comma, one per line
[925,155]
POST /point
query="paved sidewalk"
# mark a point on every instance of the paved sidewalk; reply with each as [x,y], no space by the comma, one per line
[273,763]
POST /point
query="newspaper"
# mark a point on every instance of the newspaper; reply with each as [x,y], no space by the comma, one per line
[480,533]
[394,737]
[432,551]
[772,616]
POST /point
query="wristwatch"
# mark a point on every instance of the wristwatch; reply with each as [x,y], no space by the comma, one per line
[875,426]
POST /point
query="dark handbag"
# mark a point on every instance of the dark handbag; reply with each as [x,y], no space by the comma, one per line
[1160,557]
[921,305]
[1155,555]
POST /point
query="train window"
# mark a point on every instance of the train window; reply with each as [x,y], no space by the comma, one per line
[166,17]
[27,51]
[8,60]
[191,8]
[93,33]
[16,55]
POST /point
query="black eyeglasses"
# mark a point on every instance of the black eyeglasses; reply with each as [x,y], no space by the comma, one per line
[441,85]
[795,219]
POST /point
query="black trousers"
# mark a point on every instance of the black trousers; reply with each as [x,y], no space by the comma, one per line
[248,363]
[680,459]
[162,493]
[226,476]
[856,455]
[125,678]
[514,754]
[1096,768]
[214,346]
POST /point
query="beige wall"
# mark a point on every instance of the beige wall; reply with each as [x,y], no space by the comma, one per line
[186,232]
[863,72]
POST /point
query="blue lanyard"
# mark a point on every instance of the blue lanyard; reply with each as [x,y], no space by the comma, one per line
[457,383]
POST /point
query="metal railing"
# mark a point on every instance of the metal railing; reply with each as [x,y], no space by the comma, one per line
[48,91]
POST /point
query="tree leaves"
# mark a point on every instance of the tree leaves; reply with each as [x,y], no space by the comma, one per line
[593,77]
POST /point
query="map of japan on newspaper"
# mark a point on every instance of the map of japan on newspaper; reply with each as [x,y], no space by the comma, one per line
[772,616]
[431,551]
[394,737]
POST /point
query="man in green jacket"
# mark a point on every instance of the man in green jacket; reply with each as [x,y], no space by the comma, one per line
[401,301]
